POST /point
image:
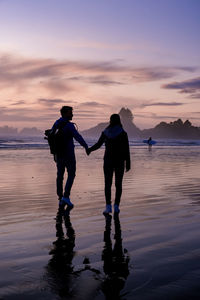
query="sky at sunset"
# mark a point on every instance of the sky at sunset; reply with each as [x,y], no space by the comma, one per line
[99,56]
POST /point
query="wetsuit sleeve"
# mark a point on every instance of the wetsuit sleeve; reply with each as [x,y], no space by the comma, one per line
[78,137]
[99,143]
[127,153]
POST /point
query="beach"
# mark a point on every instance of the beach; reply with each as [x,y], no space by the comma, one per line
[150,251]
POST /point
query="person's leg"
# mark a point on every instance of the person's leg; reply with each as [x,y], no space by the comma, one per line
[119,173]
[71,170]
[108,176]
[60,176]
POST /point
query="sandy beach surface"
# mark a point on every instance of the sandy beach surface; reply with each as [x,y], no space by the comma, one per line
[151,251]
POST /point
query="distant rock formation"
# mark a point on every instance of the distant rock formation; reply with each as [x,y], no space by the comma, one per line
[173,130]
[6,130]
[127,122]
[31,132]
[11,131]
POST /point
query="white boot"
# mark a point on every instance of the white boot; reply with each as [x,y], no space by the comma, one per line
[108,209]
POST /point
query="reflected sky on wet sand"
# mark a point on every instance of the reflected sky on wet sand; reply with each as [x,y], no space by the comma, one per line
[150,252]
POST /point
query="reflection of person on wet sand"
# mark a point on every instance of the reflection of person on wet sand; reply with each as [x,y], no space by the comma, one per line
[115,260]
[65,279]
[60,268]
[116,156]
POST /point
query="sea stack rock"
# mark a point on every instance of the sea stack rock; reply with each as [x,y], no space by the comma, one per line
[127,122]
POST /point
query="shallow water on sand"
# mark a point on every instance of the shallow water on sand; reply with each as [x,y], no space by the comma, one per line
[152,251]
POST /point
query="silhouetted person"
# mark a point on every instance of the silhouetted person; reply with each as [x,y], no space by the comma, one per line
[115,259]
[149,142]
[116,158]
[66,157]
[60,271]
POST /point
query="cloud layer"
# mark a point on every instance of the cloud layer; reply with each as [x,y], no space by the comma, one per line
[162,104]
[34,89]
[191,86]
[63,75]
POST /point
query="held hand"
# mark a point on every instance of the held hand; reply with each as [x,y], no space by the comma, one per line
[88,151]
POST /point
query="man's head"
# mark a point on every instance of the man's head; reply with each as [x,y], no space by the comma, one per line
[66,112]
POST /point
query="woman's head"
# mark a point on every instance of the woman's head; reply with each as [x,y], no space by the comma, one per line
[115,120]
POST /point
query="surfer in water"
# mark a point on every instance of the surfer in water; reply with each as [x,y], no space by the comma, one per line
[116,159]
[149,142]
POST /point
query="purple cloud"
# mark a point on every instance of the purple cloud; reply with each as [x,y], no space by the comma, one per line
[93,104]
[21,102]
[195,96]
[52,102]
[57,76]
[101,80]
[158,73]
[163,104]
[191,86]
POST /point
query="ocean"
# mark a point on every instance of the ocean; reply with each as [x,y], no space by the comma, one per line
[40,142]
[150,251]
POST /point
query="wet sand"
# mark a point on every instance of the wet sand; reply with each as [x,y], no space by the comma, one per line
[152,251]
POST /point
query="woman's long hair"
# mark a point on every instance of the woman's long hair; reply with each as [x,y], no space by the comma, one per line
[114,120]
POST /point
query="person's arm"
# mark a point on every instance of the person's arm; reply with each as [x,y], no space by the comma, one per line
[98,144]
[78,137]
[127,154]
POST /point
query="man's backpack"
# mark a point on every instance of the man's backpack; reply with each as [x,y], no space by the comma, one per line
[56,139]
